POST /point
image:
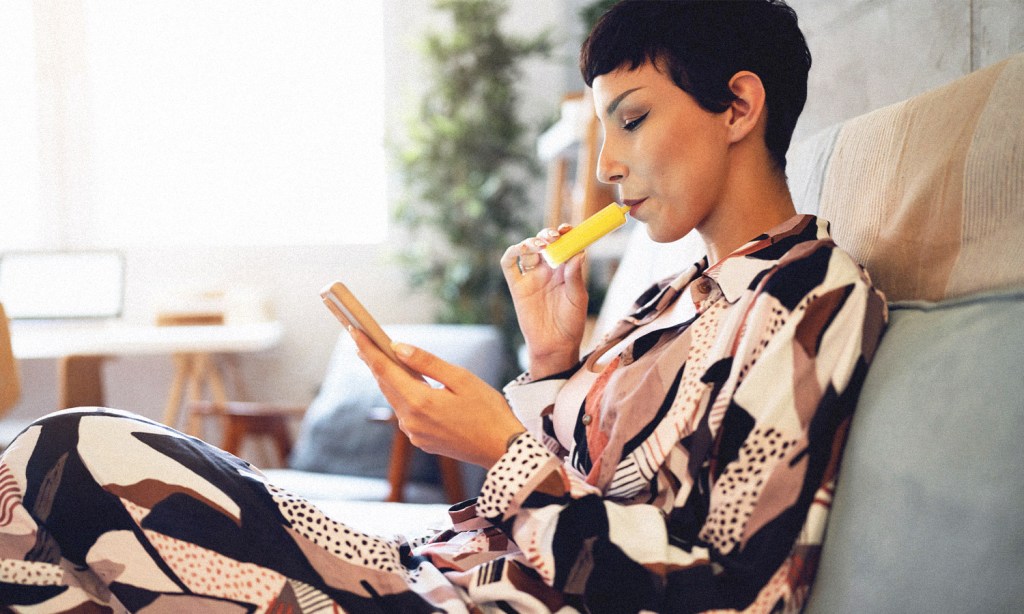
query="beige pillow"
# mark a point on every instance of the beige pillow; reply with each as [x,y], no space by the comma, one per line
[928,193]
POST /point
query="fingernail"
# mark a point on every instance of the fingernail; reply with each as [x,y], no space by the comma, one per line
[402,349]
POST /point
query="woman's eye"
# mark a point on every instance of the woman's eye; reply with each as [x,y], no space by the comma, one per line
[634,123]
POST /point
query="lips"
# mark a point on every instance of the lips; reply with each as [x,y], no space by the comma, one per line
[633,204]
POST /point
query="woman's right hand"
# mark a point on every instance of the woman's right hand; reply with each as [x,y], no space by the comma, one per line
[551,304]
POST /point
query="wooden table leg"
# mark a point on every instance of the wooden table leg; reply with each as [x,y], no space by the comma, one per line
[182,368]
[451,479]
[193,374]
[398,467]
[234,433]
[10,378]
[196,375]
[81,381]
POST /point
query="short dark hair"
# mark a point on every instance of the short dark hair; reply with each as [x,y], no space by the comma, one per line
[702,44]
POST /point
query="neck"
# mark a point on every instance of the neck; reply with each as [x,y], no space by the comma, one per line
[755,199]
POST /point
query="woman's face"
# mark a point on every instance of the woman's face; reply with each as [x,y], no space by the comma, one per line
[667,155]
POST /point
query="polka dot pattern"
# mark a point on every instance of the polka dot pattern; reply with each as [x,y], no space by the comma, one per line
[523,379]
[737,490]
[510,474]
[336,538]
[688,405]
[775,318]
[30,573]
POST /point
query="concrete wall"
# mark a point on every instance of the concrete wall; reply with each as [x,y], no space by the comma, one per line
[870,53]
[867,53]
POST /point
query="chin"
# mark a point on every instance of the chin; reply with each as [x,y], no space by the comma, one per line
[662,235]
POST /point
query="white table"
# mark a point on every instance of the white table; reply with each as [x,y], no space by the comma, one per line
[82,346]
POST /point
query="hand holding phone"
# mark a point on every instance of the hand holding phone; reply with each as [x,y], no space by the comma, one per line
[350,312]
[423,411]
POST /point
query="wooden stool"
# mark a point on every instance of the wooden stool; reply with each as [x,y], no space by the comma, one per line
[194,372]
[401,456]
[241,420]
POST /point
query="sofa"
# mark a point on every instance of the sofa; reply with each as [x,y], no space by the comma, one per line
[345,442]
[928,193]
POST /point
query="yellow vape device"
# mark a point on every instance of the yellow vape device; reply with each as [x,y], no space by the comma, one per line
[589,230]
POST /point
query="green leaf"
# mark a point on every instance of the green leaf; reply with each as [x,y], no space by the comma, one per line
[466,165]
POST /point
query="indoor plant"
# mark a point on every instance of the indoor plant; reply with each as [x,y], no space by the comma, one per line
[467,167]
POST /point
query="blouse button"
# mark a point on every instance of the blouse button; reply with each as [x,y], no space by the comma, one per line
[704,286]
[586,420]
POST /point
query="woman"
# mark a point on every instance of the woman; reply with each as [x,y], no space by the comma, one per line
[686,464]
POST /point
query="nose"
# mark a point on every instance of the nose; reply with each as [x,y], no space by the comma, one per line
[610,169]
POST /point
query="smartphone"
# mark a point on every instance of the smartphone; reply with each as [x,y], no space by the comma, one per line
[350,312]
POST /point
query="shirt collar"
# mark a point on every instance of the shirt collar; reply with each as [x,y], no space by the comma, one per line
[738,271]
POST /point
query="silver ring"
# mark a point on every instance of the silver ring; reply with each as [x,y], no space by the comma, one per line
[523,269]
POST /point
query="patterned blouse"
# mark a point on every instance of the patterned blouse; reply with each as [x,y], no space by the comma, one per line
[686,465]
[692,469]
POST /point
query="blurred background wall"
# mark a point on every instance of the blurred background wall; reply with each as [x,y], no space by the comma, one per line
[867,53]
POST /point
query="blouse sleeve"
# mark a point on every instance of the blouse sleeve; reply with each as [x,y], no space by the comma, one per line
[533,402]
[750,527]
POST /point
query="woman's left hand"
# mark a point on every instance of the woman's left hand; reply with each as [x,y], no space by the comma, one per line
[466,419]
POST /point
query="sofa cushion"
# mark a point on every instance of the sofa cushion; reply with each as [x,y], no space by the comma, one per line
[928,193]
[927,513]
[321,488]
[338,434]
[806,166]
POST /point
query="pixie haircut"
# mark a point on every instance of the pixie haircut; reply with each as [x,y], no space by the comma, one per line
[701,44]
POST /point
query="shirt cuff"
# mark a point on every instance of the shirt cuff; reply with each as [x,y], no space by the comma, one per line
[524,465]
[528,399]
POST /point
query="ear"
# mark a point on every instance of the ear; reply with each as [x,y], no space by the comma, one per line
[748,110]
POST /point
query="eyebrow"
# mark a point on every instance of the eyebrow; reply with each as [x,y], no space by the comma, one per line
[614,104]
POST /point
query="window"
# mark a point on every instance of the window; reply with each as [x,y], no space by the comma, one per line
[21,225]
[237,123]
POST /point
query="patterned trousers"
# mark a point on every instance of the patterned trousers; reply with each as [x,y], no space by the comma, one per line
[101,510]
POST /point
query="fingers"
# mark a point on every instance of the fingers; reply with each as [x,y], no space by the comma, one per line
[575,279]
[519,259]
[418,360]
[525,256]
[428,364]
[379,363]
[399,387]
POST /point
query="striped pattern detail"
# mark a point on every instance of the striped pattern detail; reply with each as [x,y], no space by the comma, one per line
[628,480]
[491,572]
[312,600]
[10,495]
